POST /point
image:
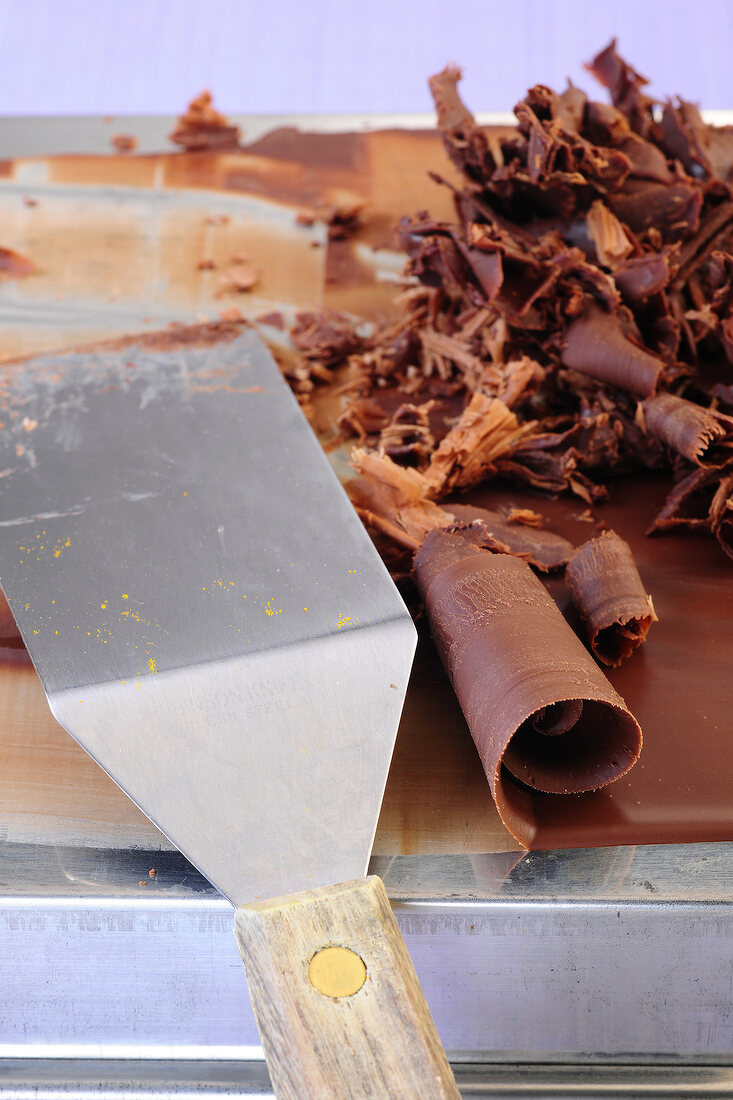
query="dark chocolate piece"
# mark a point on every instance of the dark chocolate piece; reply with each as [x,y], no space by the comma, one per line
[625,86]
[539,709]
[640,277]
[597,346]
[543,549]
[610,597]
[700,435]
[688,504]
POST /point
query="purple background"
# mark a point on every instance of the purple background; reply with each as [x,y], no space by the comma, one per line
[151,56]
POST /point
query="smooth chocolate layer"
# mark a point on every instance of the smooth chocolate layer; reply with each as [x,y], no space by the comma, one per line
[540,711]
[610,597]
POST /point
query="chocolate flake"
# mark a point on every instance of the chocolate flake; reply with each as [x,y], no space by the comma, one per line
[202,127]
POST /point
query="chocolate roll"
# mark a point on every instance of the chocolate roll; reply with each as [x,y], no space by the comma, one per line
[700,435]
[596,345]
[540,711]
[609,594]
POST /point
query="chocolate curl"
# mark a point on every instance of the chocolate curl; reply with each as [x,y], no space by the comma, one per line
[596,346]
[538,707]
[543,549]
[610,597]
[689,429]
[641,277]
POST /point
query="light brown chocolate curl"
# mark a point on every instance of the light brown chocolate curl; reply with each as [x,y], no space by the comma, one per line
[539,709]
[398,497]
[610,597]
[689,429]
[486,430]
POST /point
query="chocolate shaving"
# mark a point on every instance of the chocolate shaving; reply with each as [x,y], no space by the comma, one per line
[609,594]
[202,127]
[398,496]
[720,514]
[589,267]
[702,436]
[540,711]
[688,504]
[543,549]
[608,236]
[626,88]
[597,346]
[640,277]
[486,431]
[408,435]
[326,336]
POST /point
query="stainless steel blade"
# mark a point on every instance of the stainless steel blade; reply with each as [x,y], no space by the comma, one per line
[206,613]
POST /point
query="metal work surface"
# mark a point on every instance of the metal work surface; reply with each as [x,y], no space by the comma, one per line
[169,1080]
[605,955]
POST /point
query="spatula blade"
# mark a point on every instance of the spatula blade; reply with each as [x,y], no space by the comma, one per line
[206,613]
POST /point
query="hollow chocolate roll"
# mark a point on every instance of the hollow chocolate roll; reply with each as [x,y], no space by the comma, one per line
[701,435]
[540,711]
[610,597]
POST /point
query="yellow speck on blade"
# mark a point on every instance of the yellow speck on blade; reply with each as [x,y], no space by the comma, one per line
[185,492]
[152,665]
[343,620]
[305,608]
[137,685]
[103,606]
[125,596]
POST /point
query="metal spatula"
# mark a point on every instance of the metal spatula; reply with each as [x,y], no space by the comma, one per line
[210,621]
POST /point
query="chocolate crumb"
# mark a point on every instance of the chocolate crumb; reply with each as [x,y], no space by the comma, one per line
[124,143]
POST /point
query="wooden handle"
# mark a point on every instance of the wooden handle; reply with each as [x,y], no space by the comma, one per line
[340,1010]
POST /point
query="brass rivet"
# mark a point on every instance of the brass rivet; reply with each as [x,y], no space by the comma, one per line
[337,972]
